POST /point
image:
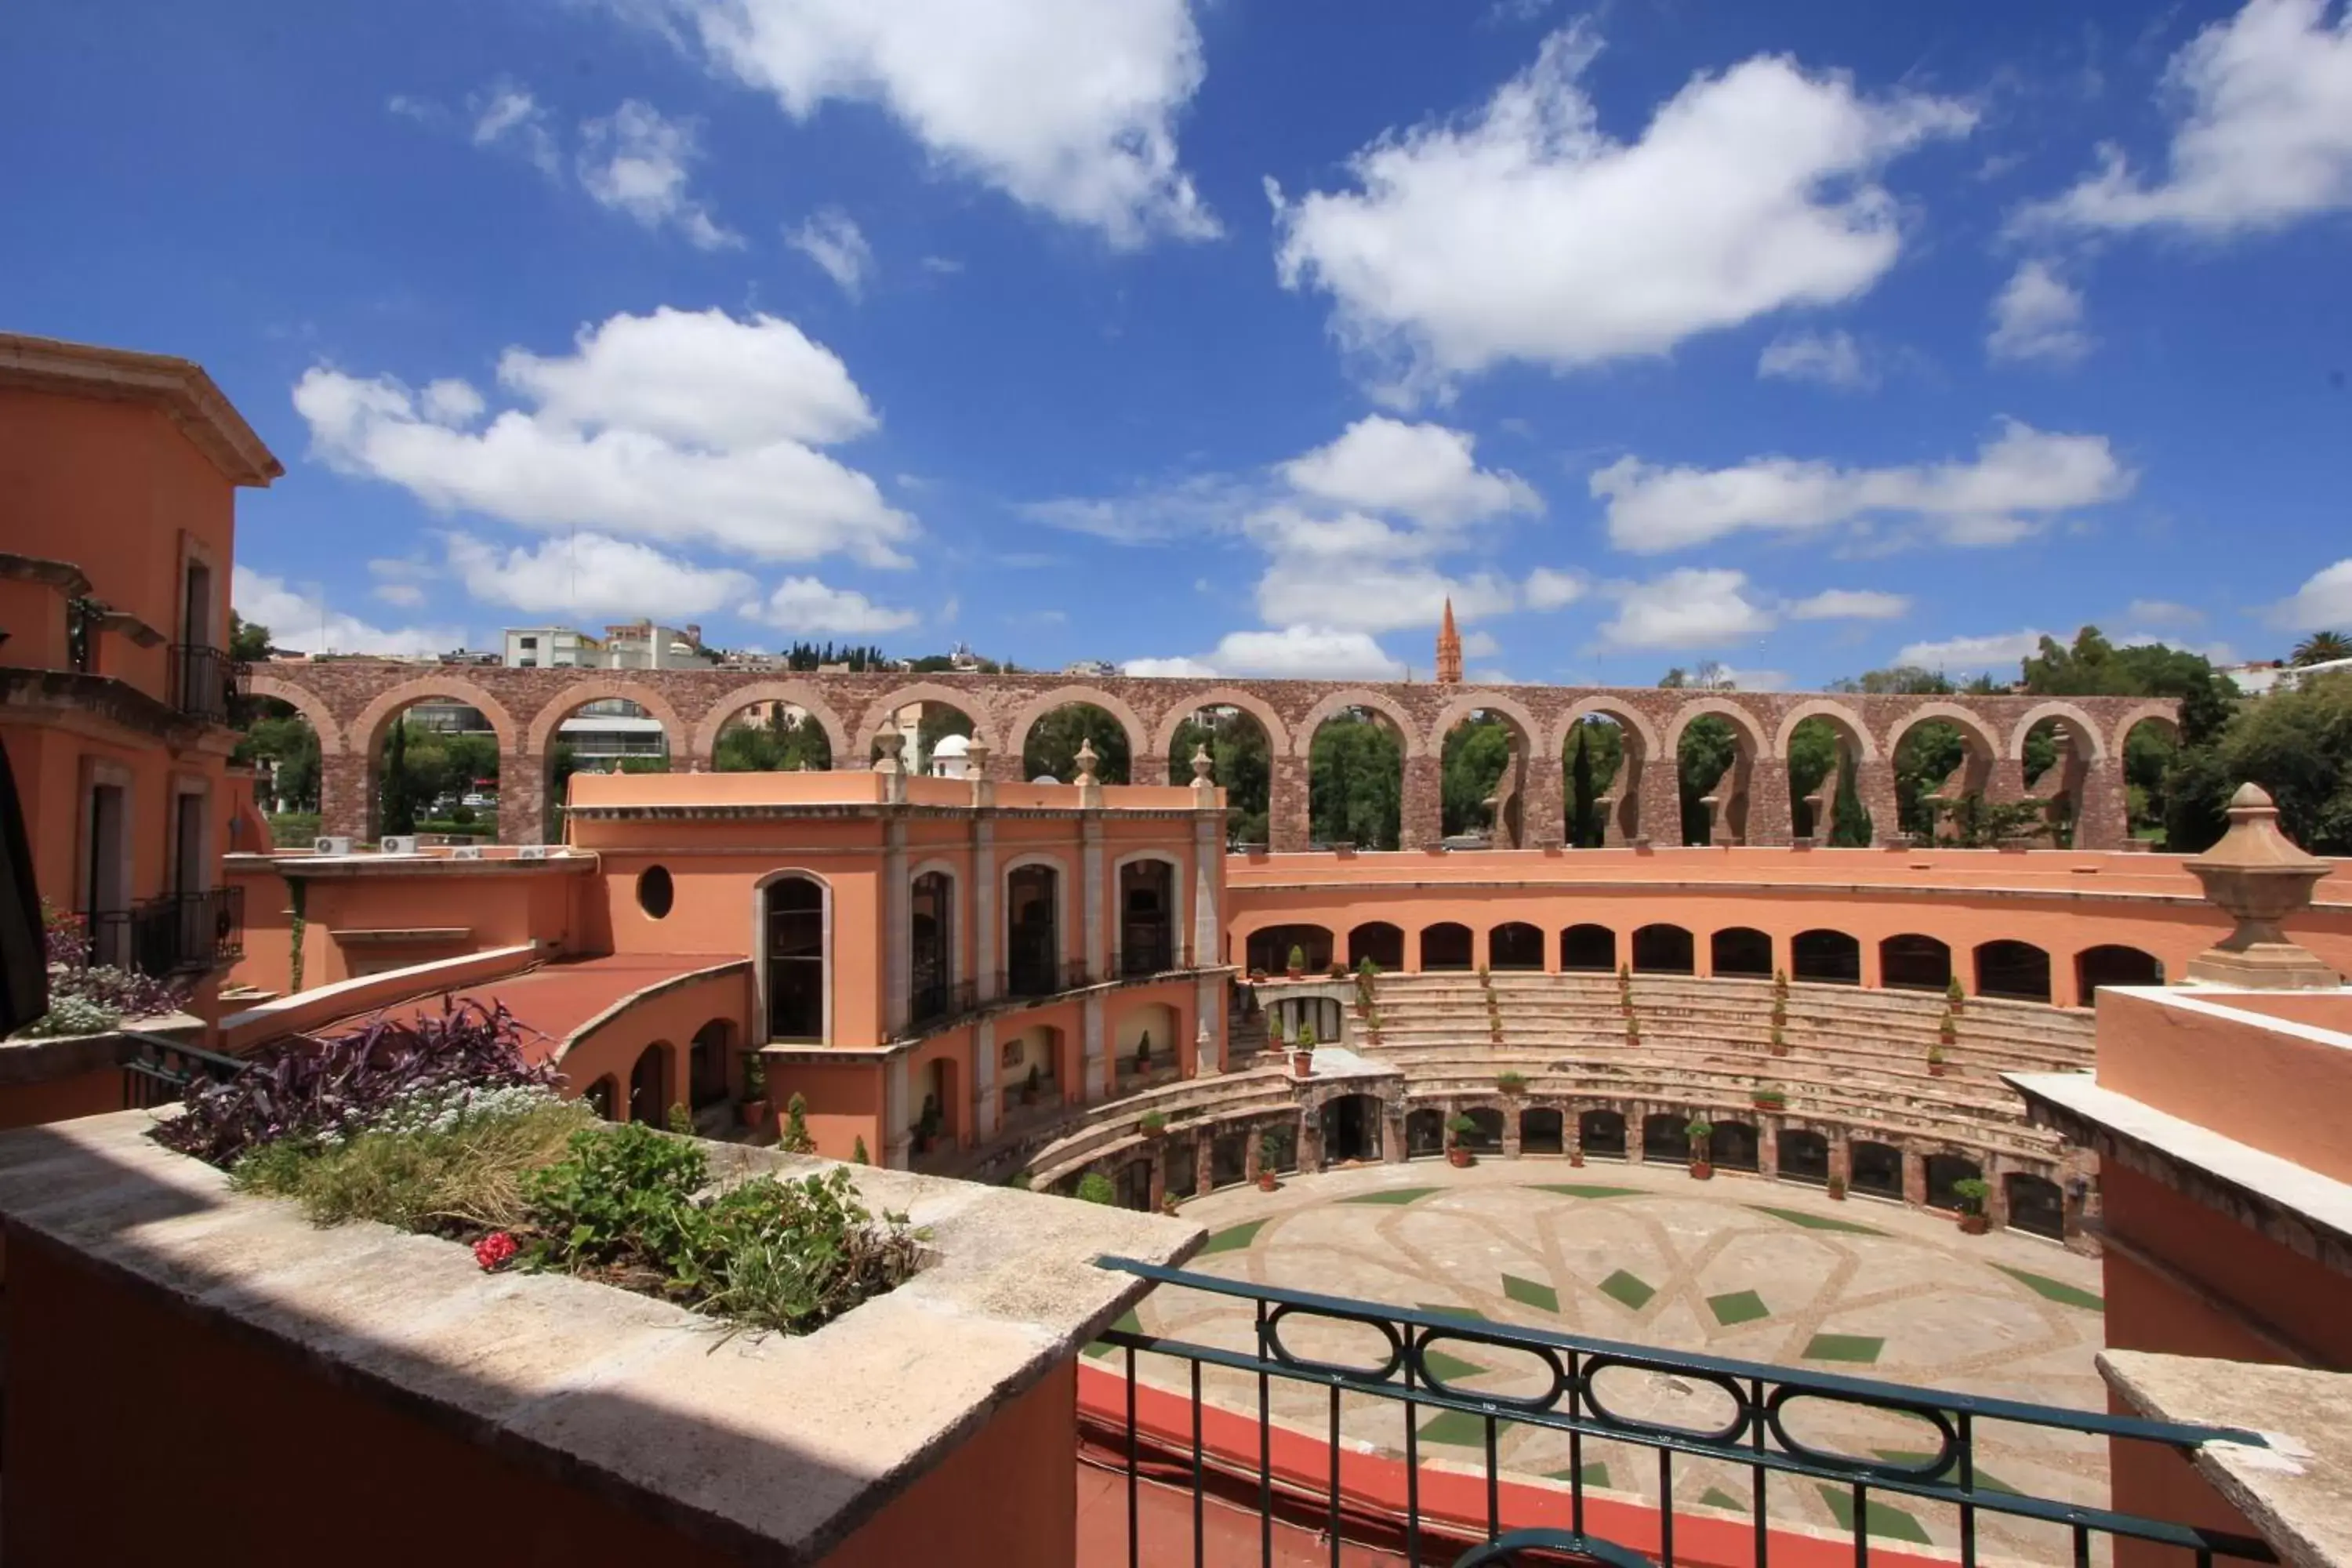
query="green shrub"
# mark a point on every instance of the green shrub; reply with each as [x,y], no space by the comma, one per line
[1971,1193]
[619,1191]
[1510,1082]
[1461,1126]
[1699,1129]
[1095,1187]
[794,1138]
[1297,958]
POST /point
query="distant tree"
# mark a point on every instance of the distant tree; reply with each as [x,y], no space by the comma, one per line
[2298,745]
[1355,781]
[1901,680]
[247,641]
[1596,753]
[1708,751]
[1926,757]
[1473,758]
[277,737]
[1053,739]
[2322,648]
[1243,765]
[399,811]
[1674,679]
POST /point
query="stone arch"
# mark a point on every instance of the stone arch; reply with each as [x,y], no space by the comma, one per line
[1302,741]
[1037,707]
[1742,720]
[1277,733]
[1968,721]
[2165,713]
[2067,713]
[572,697]
[799,693]
[305,701]
[1624,713]
[1531,734]
[366,731]
[878,713]
[1837,713]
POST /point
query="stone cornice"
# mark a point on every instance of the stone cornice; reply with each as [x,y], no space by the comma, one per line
[178,387]
[65,577]
[59,695]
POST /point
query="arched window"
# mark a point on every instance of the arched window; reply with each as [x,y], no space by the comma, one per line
[648,1086]
[1732,1146]
[2035,1204]
[1589,948]
[1741,952]
[1914,963]
[1877,1169]
[1826,957]
[2112,965]
[797,961]
[1269,949]
[2017,970]
[931,917]
[1540,1131]
[1943,1170]
[1380,942]
[1804,1156]
[1487,1135]
[1516,945]
[1147,917]
[604,1095]
[1033,945]
[1602,1134]
[1662,950]
[1424,1132]
[1445,945]
[1665,1136]
[708,1063]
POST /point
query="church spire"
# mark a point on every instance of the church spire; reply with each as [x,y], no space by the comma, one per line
[1449,649]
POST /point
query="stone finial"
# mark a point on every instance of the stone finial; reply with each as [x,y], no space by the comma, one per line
[1203,764]
[890,743]
[2258,877]
[1086,760]
[975,768]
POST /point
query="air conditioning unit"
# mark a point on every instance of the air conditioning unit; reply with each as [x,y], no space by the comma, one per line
[397,844]
[338,845]
[466,852]
[531,852]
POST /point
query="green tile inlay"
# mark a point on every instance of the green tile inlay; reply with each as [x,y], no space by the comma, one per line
[1529,1293]
[1584,1190]
[1391,1196]
[1129,1321]
[1861,1348]
[1448,1368]
[1439,1310]
[1232,1238]
[1739,1306]
[1880,1519]
[1461,1427]
[1816,1221]
[1631,1289]
[2056,1290]
[1985,1482]
[1591,1476]
[1716,1496]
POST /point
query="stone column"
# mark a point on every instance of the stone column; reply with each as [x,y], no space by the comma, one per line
[2006,780]
[1420,824]
[897,930]
[1996,1192]
[1511,1131]
[1392,1149]
[1310,1142]
[1611,808]
[2100,817]
[1209,1039]
[1287,802]
[1096,929]
[987,1105]
[1873,785]
[1251,1165]
[1915,1178]
[1207,943]
[1543,804]
[1633,1114]
[344,808]
[1767,802]
[1159,1173]
[1841,1156]
[1662,803]
[1096,1069]
[1767,1147]
[897,1132]
[984,907]
[1205,1159]
[1146,768]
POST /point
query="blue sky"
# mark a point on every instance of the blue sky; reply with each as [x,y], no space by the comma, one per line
[1235,335]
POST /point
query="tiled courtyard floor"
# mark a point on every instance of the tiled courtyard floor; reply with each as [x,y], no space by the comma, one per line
[1738,1268]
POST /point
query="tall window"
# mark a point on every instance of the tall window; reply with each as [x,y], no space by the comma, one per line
[1147,932]
[796,959]
[1033,948]
[933,938]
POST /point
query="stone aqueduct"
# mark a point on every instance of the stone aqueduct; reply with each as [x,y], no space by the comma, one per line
[352,702]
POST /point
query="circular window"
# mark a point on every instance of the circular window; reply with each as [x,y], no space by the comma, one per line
[655,892]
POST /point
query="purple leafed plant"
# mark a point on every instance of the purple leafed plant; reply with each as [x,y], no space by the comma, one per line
[311,1088]
[66,945]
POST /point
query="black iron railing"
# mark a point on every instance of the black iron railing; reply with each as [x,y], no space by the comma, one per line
[1044,977]
[936,1001]
[172,934]
[1143,951]
[1419,1351]
[205,680]
[157,1071]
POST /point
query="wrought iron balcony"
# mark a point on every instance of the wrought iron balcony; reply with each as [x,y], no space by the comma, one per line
[1144,951]
[205,681]
[1417,1351]
[1035,975]
[172,934]
[936,1001]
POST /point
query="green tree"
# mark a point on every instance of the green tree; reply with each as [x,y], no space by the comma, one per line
[1596,753]
[1706,752]
[278,737]
[1901,680]
[1052,744]
[399,809]
[1242,765]
[2298,745]
[247,641]
[2322,648]
[1924,758]
[1475,754]
[1355,781]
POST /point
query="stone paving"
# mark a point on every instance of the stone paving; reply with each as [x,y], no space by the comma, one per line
[1737,1268]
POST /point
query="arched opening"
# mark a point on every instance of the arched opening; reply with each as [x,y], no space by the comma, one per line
[604,1095]
[1601,763]
[649,1085]
[1425,1133]
[2149,747]
[1825,958]
[1740,951]
[1665,1136]
[1028,1069]
[2109,965]
[1228,1159]
[938,1116]
[1355,780]
[934,739]
[710,1064]
[1542,1131]
[1352,1129]
[1050,751]
[1033,943]
[2036,1206]
[1146,918]
[1937,764]
[1269,949]
[1824,801]
[1601,1134]
[1943,1170]
[1242,765]
[1144,1046]
[1914,963]
[1733,1146]
[1485,1136]
[1180,1172]
[1663,950]
[1514,944]
[1280,1145]
[281,746]
[1445,945]
[1484,772]
[772,736]
[1803,1156]
[931,932]
[2016,970]
[795,948]
[1875,1169]
[1380,942]
[600,736]
[1135,1185]
[436,770]
[1589,949]
[2057,760]
[1714,759]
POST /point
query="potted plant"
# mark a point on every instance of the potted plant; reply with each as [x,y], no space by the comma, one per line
[1143,1054]
[1153,1124]
[754,1108]
[1302,1057]
[796,1138]
[1511,1083]
[1779,1041]
[1970,1193]
[1779,986]
[1768,1097]
[1947,1028]
[1575,1154]
[1632,1030]
[1837,1189]
[1337,971]
[1298,965]
[1935,1062]
[1031,1085]
[927,1126]
[1700,1130]
[1458,1127]
[1167,1201]
[1953,996]
[1269,1155]
[1257,976]
[1625,989]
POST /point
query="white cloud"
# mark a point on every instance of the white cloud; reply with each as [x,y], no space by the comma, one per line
[407,595]
[1480,644]
[1833,359]
[1177,669]
[1851,604]
[1068,106]
[677,427]
[633,161]
[832,240]
[806,607]
[2164,613]
[1525,232]
[2263,136]
[1548,589]
[1425,472]
[590,575]
[505,114]
[1189,508]
[1301,652]
[2038,316]
[1987,653]
[2019,479]
[452,401]
[2323,603]
[1752,680]
[1373,596]
[1690,607]
[303,623]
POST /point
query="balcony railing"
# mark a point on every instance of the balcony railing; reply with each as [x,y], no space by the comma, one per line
[172,934]
[1417,1351]
[1042,977]
[1144,952]
[936,1001]
[157,1071]
[205,680]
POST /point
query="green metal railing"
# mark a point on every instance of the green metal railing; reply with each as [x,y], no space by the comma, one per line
[157,1071]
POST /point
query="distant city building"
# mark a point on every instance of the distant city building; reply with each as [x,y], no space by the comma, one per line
[2264,676]
[952,758]
[549,648]
[642,645]
[1091,668]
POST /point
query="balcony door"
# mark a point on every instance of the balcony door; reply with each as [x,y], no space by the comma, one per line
[1033,944]
[932,938]
[108,909]
[1146,933]
[794,911]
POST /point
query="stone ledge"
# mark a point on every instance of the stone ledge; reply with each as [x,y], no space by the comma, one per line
[40,1059]
[774,1448]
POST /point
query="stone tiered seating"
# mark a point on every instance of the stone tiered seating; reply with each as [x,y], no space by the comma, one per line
[1194,1106]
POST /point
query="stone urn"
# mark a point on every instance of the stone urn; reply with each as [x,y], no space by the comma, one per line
[2258,877]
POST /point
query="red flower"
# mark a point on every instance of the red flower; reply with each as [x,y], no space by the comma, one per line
[494,1250]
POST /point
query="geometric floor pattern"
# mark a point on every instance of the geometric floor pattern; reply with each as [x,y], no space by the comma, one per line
[1737,1268]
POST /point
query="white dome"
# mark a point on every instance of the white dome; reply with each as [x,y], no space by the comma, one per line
[952,746]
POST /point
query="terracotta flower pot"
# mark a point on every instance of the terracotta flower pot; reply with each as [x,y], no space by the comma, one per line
[1295,973]
[1576,1157]
[1154,1131]
[1974,1224]
[1837,1195]
[1302,1064]
[1935,1069]
[754,1112]
[1460,1157]
[1265,1181]
[1701,1171]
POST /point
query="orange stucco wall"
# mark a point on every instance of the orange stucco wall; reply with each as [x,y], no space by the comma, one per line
[844,1103]
[2235,1071]
[504,908]
[91,1093]
[670,1019]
